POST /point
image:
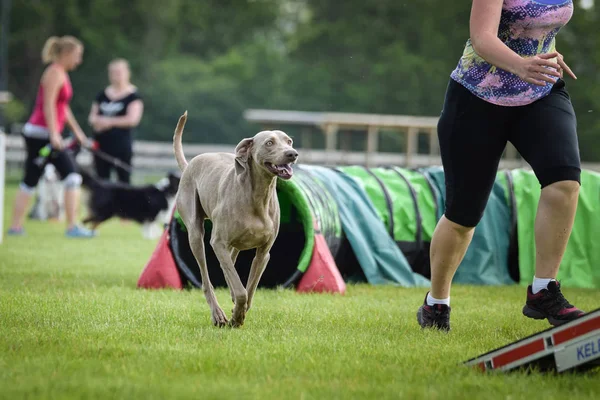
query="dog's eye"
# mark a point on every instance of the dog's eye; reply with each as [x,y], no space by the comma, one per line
[290,142]
[270,143]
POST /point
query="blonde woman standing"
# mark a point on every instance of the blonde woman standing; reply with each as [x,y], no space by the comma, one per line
[45,126]
[116,111]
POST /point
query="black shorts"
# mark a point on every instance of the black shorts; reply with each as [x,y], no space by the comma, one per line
[62,161]
[473,134]
[121,150]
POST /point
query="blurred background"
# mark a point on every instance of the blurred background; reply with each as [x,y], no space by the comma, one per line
[217,58]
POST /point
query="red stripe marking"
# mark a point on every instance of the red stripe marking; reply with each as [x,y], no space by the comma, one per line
[577,330]
[519,353]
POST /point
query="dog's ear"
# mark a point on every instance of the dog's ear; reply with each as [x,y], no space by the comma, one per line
[242,154]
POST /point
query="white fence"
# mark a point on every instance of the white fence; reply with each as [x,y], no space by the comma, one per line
[149,157]
[157,157]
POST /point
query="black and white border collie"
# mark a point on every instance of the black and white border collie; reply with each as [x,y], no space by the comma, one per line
[149,205]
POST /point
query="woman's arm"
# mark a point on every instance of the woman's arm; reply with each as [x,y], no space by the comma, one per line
[93,113]
[72,122]
[133,117]
[52,82]
[485,19]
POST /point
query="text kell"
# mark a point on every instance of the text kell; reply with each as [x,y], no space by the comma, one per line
[588,350]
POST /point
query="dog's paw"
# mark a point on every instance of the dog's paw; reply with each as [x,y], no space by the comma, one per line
[246,308]
[234,323]
[218,318]
[237,317]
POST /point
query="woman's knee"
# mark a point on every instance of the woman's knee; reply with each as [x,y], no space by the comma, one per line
[73,181]
[25,188]
[462,226]
[562,190]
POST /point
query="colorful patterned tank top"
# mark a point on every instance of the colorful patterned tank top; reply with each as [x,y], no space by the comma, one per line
[528,27]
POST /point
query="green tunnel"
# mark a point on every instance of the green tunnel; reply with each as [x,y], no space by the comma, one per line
[378,224]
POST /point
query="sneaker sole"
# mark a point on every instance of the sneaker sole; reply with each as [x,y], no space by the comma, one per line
[531,313]
[535,314]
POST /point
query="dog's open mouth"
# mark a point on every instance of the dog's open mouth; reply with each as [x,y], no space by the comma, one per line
[283,171]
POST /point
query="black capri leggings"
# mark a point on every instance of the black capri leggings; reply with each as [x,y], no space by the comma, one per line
[473,134]
[62,161]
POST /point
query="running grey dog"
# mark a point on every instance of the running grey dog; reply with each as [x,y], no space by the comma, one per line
[237,193]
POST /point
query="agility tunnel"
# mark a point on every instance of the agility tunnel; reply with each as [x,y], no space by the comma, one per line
[374,225]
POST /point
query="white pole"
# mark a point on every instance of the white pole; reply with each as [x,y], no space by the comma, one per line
[2,180]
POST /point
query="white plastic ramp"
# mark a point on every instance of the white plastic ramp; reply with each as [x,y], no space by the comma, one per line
[572,346]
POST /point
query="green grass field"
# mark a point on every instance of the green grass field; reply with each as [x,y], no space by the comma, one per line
[74,325]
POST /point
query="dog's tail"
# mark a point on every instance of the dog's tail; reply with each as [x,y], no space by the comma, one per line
[177,148]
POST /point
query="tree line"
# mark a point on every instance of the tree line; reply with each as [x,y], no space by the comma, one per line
[217,58]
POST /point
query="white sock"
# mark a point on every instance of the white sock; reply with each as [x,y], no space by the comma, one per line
[431,301]
[540,283]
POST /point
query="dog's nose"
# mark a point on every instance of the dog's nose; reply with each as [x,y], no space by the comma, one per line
[292,154]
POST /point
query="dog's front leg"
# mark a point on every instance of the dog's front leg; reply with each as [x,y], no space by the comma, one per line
[240,296]
[196,239]
[259,264]
[234,255]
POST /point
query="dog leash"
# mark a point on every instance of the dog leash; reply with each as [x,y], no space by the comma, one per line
[46,151]
[107,157]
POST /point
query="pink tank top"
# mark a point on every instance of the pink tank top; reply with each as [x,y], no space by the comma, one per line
[62,102]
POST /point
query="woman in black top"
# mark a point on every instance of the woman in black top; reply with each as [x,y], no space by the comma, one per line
[115,112]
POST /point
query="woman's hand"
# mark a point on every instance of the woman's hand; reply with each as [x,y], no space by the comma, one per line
[56,141]
[101,124]
[537,68]
[564,67]
[83,140]
[93,116]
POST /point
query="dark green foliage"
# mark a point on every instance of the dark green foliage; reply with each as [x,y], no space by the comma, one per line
[217,58]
